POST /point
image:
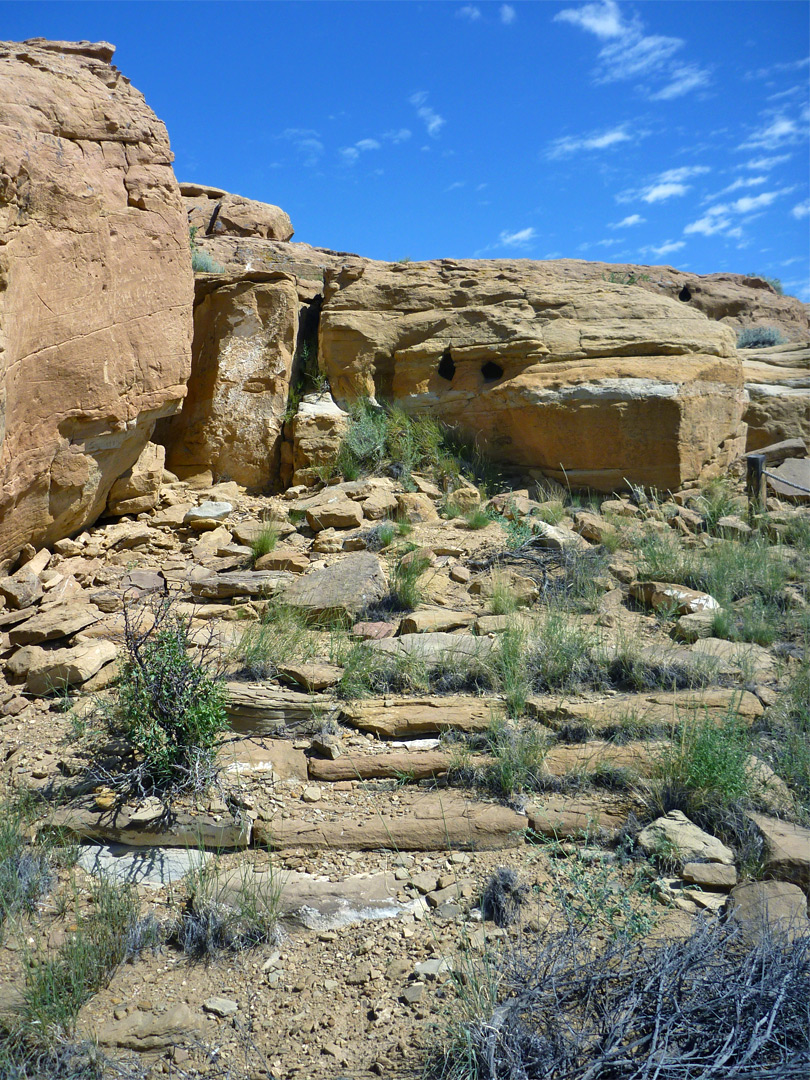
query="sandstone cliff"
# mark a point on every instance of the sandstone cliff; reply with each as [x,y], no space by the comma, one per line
[95,308]
[594,383]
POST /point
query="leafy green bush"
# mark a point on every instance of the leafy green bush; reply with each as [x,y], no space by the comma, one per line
[170,703]
[760,337]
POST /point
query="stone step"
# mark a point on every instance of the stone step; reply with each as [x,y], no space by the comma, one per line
[425,822]
[401,718]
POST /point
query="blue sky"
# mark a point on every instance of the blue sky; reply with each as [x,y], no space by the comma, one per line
[660,132]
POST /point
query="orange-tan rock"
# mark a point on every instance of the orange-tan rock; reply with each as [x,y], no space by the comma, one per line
[778,383]
[595,383]
[95,309]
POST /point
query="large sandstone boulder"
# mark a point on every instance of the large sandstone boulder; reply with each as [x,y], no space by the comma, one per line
[245,332]
[95,310]
[215,212]
[778,383]
[593,382]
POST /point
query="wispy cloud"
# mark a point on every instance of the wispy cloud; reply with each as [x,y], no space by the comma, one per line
[350,154]
[429,117]
[507,14]
[743,182]
[666,248]
[775,134]
[597,140]
[683,79]
[520,239]
[469,11]
[626,223]
[397,136]
[629,53]
[667,185]
[775,69]
[765,164]
[801,210]
[306,143]
[719,220]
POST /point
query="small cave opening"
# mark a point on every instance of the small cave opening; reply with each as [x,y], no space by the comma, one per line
[491,371]
[685,295]
[447,365]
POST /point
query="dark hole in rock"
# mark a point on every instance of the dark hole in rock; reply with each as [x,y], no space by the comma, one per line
[685,295]
[447,367]
[491,371]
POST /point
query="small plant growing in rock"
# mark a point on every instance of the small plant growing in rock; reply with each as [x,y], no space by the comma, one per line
[503,897]
[264,542]
[760,337]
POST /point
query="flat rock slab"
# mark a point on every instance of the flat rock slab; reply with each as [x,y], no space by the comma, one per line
[263,709]
[154,867]
[663,595]
[738,656]
[645,710]
[434,649]
[561,817]
[589,757]
[311,676]
[341,590]
[417,765]
[435,620]
[435,822]
[392,718]
[787,850]
[276,758]
[319,904]
[53,622]
[183,830]
[150,1031]
[47,671]
[240,583]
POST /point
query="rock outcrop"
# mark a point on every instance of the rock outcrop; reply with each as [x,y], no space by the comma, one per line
[95,310]
[245,335]
[778,383]
[214,212]
[593,383]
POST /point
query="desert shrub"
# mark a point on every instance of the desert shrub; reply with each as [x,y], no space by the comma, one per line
[382,438]
[759,337]
[716,500]
[774,282]
[788,726]
[503,896]
[518,754]
[379,536]
[217,919]
[170,701]
[559,655]
[26,870]
[406,590]
[695,1008]
[477,519]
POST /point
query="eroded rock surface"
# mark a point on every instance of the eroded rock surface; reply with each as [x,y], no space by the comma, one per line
[95,310]
[594,383]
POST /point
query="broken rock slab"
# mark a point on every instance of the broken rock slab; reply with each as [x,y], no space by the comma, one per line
[683,601]
[262,709]
[154,867]
[418,765]
[181,830]
[774,905]
[47,671]
[146,1031]
[341,590]
[54,622]
[787,850]
[675,833]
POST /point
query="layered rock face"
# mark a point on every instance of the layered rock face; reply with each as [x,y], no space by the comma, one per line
[95,311]
[214,212]
[592,382]
[245,333]
[778,384]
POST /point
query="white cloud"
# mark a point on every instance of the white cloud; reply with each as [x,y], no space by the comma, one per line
[685,78]
[710,224]
[630,53]
[743,182]
[667,247]
[521,238]
[718,220]
[431,119]
[508,14]
[469,11]
[748,203]
[602,140]
[398,135]
[603,19]
[802,209]
[779,132]
[766,163]
[790,65]
[350,154]
[625,223]
[307,144]
[456,185]
[669,184]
